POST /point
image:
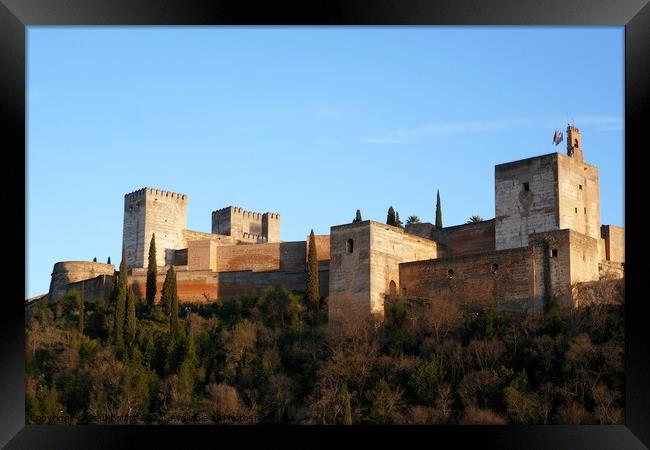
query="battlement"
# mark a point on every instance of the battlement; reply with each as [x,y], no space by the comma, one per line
[245,213]
[156,192]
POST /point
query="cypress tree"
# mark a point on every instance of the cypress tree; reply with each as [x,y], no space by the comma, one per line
[357,218]
[109,260]
[81,310]
[130,317]
[170,300]
[390,219]
[438,212]
[120,301]
[347,409]
[313,288]
[398,223]
[152,270]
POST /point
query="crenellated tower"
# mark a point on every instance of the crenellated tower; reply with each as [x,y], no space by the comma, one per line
[148,211]
[246,225]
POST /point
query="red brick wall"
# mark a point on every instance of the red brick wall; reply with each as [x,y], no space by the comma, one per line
[261,257]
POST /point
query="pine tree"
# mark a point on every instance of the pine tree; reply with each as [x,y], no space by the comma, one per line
[313,288]
[121,293]
[109,260]
[438,212]
[130,317]
[152,270]
[81,310]
[95,259]
[390,220]
[357,218]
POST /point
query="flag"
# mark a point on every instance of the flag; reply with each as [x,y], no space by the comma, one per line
[558,137]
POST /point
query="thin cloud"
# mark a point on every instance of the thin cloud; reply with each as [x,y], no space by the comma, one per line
[411,135]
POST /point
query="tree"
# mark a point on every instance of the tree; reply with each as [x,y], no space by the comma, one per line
[81,310]
[347,409]
[313,288]
[121,293]
[357,218]
[426,378]
[109,260]
[398,223]
[95,259]
[130,316]
[391,218]
[475,219]
[152,271]
[410,220]
[438,212]
[170,299]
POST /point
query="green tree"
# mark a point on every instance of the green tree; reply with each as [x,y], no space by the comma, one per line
[391,218]
[313,287]
[152,271]
[130,316]
[475,219]
[121,293]
[357,218]
[426,379]
[410,220]
[385,403]
[170,300]
[438,212]
[81,310]
[347,409]
[398,222]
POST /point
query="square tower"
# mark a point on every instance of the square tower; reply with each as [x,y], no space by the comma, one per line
[245,225]
[546,193]
[148,211]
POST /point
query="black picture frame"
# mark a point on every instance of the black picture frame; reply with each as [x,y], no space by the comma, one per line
[16,15]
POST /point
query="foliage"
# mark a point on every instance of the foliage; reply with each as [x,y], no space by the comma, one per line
[152,272]
[312,295]
[391,218]
[438,211]
[258,359]
[357,217]
[411,220]
[475,219]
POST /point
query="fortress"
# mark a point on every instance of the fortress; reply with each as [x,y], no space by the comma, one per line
[545,238]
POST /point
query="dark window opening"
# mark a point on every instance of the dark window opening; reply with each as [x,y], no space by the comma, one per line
[450,273]
[575,142]
[580,186]
[576,210]
[585,210]
[526,187]
[404,291]
[554,253]
[392,288]
[349,246]
[495,267]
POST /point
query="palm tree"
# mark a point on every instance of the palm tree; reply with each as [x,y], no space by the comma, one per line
[410,220]
[475,219]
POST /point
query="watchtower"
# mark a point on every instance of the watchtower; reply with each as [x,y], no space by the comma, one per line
[148,211]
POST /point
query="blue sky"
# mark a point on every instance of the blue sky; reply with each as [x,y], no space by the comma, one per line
[310,122]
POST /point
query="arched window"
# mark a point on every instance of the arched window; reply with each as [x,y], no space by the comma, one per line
[349,246]
[392,288]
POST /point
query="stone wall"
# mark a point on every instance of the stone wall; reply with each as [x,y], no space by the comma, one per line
[507,277]
[262,257]
[66,272]
[614,240]
[192,286]
[148,211]
[247,282]
[579,197]
[249,225]
[364,266]
[526,200]
[98,288]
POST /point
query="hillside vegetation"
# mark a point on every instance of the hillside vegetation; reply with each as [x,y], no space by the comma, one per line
[266,359]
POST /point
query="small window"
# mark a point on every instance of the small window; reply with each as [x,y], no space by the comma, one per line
[495,267]
[585,210]
[580,186]
[554,253]
[526,187]
[576,210]
[450,273]
[349,246]
[392,288]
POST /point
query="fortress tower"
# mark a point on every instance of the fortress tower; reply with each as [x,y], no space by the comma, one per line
[148,211]
[246,225]
[546,193]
